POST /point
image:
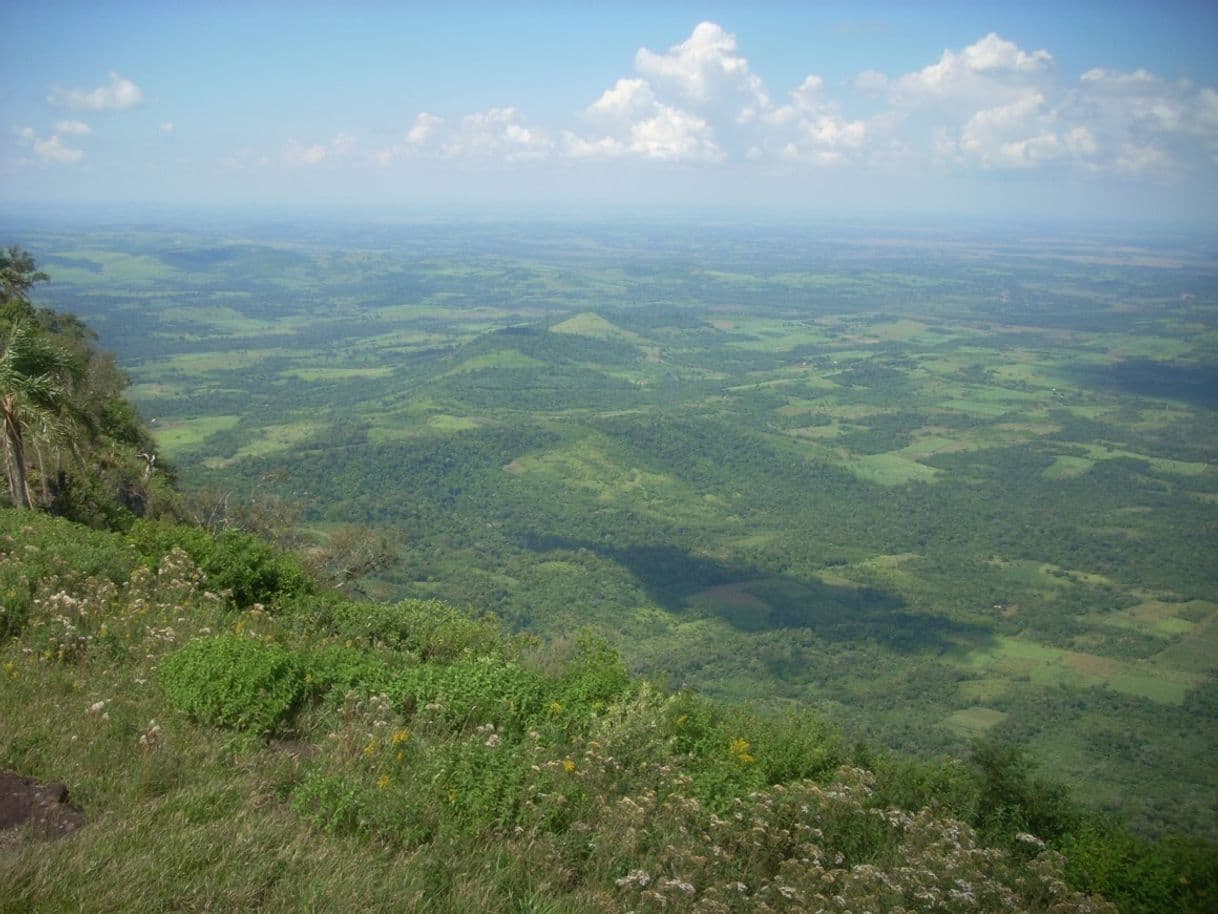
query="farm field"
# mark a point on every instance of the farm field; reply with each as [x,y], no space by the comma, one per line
[945,484]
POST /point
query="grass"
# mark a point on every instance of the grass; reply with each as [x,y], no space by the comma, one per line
[890,469]
[1050,666]
[338,374]
[446,423]
[588,323]
[180,435]
[974,721]
[506,358]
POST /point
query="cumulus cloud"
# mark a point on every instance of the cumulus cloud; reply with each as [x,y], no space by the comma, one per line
[296,154]
[606,147]
[243,158]
[985,65]
[628,100]
[52,149]
[48,149]
[343,144]
[704,68]
[494,133]
[991,105]
[119,94]
[811,127]
[1142,123]
[679,106]
[674,135]
[73,128]
[425,125]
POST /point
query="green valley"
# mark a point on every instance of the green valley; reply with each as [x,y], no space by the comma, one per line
[940,484]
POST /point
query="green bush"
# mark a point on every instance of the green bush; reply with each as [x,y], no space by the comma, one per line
[595,678]
[37,551]
[341,669]
[429,629]
[250,568]
[236,682]
[479,691]
[1174,875]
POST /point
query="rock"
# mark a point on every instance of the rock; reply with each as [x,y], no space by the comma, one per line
[30,807]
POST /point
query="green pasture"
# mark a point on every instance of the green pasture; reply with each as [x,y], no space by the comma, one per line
[180,435]
[503,358]
[588,323]
[1045,666]
[890,469]
[338,373]
[975,721]
[447,423]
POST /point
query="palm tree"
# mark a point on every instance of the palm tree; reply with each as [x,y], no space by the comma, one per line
[35,398]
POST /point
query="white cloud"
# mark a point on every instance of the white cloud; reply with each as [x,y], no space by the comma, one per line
[493,133]
[244,158]
[985,72]
[578,147]
[52,150]
[73,128]
[497,132]
[1141,123]
[811,128]
[168,127]
[628,100]
[674,135]
[119,95]
[678,105]
[295,154]
[987,106]
[424,126]
[704,68]
[343,144]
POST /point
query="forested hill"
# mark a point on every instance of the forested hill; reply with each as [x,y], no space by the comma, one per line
[240,733]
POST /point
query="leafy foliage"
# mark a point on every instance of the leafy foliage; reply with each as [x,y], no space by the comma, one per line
[234,681]
[250,569]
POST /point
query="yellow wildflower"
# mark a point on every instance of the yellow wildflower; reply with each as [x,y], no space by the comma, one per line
[568,765]
[400,736]
[740,749]
[382,782]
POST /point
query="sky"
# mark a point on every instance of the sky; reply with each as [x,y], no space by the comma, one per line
[1058,110]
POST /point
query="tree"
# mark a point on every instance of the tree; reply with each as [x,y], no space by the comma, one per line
[18,274]
[35,397]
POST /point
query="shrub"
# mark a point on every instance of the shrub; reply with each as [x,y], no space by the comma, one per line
[250,568]
[483,690]
[427,628]
[341,669]
[235,682]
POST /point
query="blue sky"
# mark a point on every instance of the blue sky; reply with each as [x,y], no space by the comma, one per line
[1033,109]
